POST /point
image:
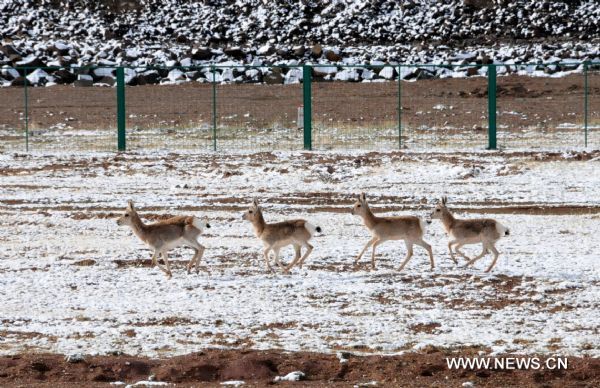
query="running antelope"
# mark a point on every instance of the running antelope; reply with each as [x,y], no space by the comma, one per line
[462,232]
[407,228]
[165,235]
[281,234]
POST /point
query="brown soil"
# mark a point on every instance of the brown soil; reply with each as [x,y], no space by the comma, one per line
[222,161]
[451,103]
[259,368]
[345,200]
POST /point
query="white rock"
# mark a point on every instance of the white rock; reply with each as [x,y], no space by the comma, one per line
[74,358]
[293,76]
[176,75]
[387,72]
[347,75]
[252,74]
[61,46]
[325,70]
[130,74]
[227,75]
[367,74]
[103,72]
[292,376]
[186,62]
[7,70]
[133,53]
[264,50]
[212,76]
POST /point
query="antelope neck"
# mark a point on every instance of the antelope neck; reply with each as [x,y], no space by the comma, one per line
[259,223]
[369,217]
[447,219]
[137,225]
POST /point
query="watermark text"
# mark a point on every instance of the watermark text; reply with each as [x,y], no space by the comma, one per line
[507,363]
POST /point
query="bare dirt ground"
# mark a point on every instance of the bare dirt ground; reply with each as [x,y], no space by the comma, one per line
[345,114]
[260,368]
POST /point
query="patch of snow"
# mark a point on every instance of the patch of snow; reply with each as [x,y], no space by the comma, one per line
[148,383]
[292,376]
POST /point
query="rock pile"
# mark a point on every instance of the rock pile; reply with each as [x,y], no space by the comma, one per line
[339,33]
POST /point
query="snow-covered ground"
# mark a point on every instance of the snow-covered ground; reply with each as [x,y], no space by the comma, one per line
[58,213]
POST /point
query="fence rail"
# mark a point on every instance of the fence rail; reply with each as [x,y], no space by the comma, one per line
[229,107]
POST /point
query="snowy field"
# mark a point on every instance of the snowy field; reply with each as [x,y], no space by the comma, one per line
[72,281]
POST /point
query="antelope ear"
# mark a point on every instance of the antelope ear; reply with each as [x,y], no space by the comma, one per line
[362,198]
[130,205]
[255,203]
[444,200]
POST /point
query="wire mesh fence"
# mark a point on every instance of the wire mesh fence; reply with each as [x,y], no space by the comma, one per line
[213,111]
[262,115]
[442,108]
[261,108]
[12,119]
[349,117]
[82,119]
[593,105]
[177,115]
[541,106]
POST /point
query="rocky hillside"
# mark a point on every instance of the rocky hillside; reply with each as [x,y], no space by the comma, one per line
[186,33]
[331,22]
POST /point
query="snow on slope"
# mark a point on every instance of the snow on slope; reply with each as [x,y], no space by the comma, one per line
[59,210]
[188,33]
[347,22]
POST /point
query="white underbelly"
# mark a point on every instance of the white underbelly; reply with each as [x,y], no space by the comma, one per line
[470,240]
[173,244]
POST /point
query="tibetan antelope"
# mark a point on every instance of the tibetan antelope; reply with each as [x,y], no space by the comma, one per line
[462,232]
[165,235]
[407,228]
[281,234]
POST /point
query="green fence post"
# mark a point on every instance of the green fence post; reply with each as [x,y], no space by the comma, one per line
[121,138]
[26,110]
[214,106]
[307,105]
[491,107]
[399,107]
[585,102]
